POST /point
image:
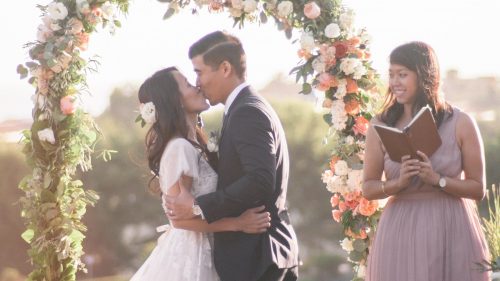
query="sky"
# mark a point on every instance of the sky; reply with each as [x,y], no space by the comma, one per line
[463,34]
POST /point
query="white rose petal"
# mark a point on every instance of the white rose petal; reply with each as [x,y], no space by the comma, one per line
[332,30]
[351,65]
[361,271]
[355,179]
[339,116]
[285,8]
[307,42]
[57,11]
[326,176]
[359,71]
[318,65]
[346,245]
[250,6]
[341,168]
[107,10]
[47,135]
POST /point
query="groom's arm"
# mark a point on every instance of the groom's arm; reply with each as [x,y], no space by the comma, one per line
[253,137]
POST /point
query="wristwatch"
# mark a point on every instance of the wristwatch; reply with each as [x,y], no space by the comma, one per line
[442,182]
[197,210]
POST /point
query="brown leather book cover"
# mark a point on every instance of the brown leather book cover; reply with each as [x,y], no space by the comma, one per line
[421,134]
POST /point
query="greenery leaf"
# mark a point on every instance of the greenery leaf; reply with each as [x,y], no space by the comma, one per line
[28,235]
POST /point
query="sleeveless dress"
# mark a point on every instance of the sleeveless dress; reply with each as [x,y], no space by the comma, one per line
[182,255]
[426,234]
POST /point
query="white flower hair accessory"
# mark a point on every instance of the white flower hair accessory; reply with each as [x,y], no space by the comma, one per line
[147,114]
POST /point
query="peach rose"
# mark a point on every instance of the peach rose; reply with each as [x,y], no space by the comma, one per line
[361,125]
[68,106]
[83,41]
[337,215]
[355,41]
[304,54]
[352,204]
[352,86]
[342,206]
[352,107]
[333,161]
[366,207]
[312,10]
[335,200]
[351,196]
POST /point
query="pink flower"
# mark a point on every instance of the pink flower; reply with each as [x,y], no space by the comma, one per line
[312,10]
[326,81]
[342,206]
[366,207]
[83,41]
[335,200]
[337,215]
[361,125]
[68,105]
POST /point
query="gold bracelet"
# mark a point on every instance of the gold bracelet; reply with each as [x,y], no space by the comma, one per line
[383,189]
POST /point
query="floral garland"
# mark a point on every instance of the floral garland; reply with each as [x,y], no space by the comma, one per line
[334,59]
[62,136]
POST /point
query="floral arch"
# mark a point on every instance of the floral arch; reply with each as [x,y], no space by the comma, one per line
[334,58]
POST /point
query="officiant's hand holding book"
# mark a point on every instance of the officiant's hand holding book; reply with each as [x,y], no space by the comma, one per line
[421,134]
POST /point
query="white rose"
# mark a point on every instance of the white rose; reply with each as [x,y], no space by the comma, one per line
[341,89]
[235,13]
[361,271]
[355,179]
[285,8]
[148,112]
[339,116]
[107,10]
[350,65]
[346,245]
[332,30]
[326,176]
[347,20]
[83,6]
[359,71]
[250,6]
[318,65]
[47,135]
[341,168]
[237,4]
[57,11]
[43,33]
[335,184]
[349,140]
[307,42]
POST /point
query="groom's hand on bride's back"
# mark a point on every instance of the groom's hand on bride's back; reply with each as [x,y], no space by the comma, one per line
[254,221]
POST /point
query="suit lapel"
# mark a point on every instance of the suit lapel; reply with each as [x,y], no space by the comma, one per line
[245,91]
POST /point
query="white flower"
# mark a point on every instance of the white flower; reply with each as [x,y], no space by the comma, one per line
[349,140]
[43,33]
[347,20]
[212,146]
[50,23]
[148,112]
[341,89]
[235,13]
[285,8]
[107,10]
[350,65]
[307,41]
[326,176]
[237,4]
[335,184]
[47,135]
[38,100]
[339,116]
[355,179]
[83,6]
[250,6]
[318,65]
[341,168]
[57,11]
[361,271]
[359,71]
[346,245]
[365,37]
[332,30]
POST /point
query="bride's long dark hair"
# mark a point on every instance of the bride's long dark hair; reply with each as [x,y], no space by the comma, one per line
[163,91]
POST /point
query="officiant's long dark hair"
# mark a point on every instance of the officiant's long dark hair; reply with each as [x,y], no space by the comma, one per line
[162,89]
[420,58]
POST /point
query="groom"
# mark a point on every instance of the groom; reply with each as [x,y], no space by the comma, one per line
[253,169]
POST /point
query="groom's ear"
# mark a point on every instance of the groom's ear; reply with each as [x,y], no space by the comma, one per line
[226,68]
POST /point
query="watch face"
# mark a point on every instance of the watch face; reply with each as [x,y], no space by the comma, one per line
[442,182]
[196,210]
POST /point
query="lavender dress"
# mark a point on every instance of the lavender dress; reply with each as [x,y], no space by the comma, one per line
[426,234]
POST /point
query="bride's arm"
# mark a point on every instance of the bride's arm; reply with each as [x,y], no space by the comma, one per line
[251,221]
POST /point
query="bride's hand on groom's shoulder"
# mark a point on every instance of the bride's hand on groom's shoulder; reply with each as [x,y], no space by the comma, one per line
[254,221]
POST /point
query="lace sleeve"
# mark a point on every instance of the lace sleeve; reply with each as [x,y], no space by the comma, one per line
[179,158]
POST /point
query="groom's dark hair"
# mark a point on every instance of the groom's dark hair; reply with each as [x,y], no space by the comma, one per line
[210,40]
[228,51]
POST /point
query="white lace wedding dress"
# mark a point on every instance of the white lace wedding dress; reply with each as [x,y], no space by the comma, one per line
[182,255]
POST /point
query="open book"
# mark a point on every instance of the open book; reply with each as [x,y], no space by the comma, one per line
[420,134]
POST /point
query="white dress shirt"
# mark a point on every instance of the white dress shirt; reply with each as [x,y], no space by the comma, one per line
[230,99]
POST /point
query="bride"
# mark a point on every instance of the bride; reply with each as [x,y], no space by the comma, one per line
[177,154]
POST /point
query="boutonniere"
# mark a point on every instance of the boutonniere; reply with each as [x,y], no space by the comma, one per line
[213,141]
